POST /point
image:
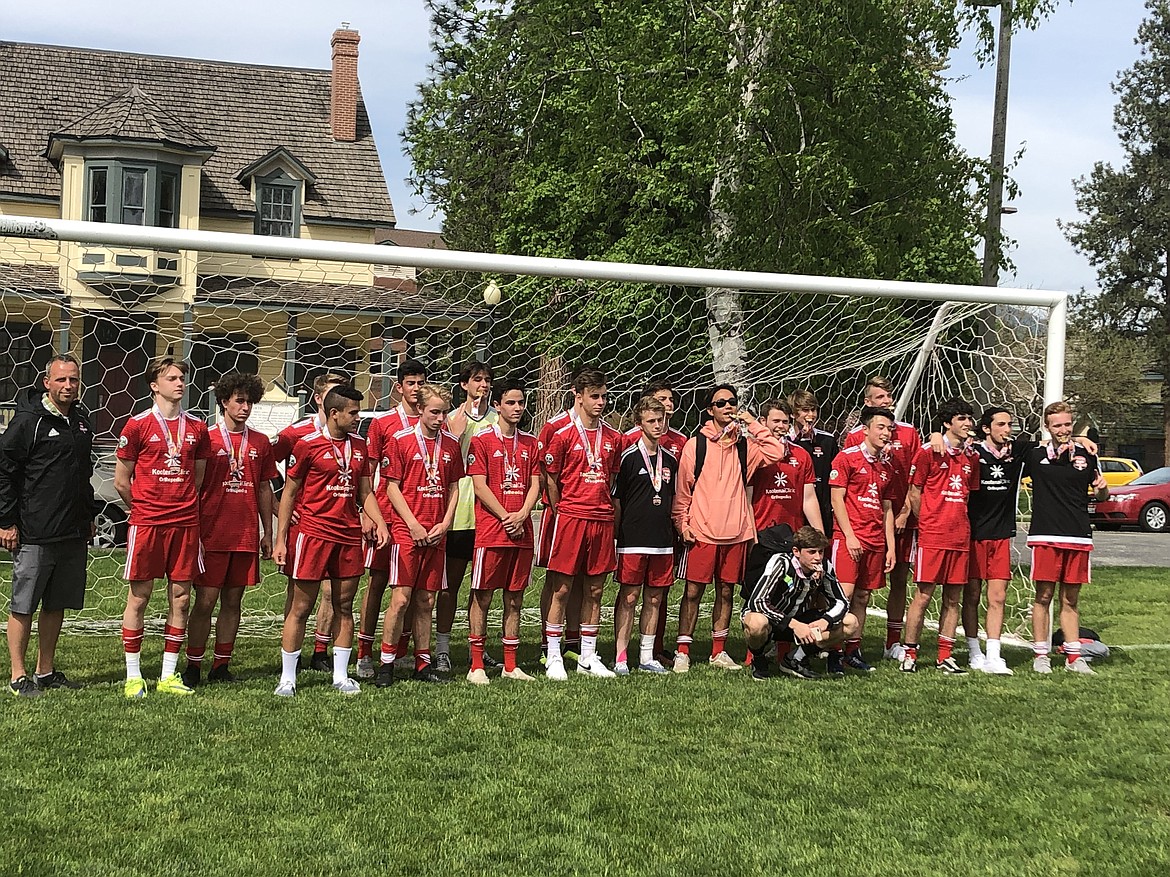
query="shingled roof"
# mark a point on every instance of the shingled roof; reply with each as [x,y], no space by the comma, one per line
[245,111]
[133,116]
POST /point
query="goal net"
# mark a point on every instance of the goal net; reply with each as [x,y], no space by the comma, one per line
[287,310]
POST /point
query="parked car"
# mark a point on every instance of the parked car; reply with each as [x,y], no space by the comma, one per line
[1145,501]
[113,518]
[1119,471]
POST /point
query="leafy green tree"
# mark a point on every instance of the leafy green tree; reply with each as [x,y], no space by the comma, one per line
[1126,230]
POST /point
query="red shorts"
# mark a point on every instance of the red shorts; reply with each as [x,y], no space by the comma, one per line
[316,559]
[493,568]
[422,568]
[705,563]
[645,570]
[991,559]
[941,566]
[1069,566]
[868,573]
[582,547]
[378,559]
[544,537]
[904,545]
[291,550]
[172,553]
[229,569]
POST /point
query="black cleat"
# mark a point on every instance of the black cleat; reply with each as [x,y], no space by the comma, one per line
[56,679]
[384,675]
[442,662]
[192,675]
[490,663]
[789,666]
[854,661]
[761,668]
[321,662]
[24,687]
[833,665]
[221,674]
[427,674]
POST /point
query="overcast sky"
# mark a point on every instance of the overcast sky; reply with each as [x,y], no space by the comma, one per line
[1061,104]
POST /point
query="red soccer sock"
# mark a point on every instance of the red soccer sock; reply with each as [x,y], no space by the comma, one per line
[422,659]
[573,640]
[852,646]
[389,652]
[320,643]
[365,646]
[132,640]
[946,644]
[511,644]
[718,642]
[893,633]
[223,654]
[476,644]
[912,651]
[173,639]
[683,646]
[403,643]
[782,650]
[195,658]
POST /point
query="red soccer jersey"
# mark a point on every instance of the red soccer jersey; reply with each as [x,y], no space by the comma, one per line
[229,513]
[778,489]
[402,461]
[946,480]
[672,440]
[509,469]
[900,452]
[382,431]
[287,438]
[546,433]
[327,501]
[584,487]
[867,482]
[163,488]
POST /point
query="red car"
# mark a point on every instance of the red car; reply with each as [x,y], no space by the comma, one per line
[1145,501]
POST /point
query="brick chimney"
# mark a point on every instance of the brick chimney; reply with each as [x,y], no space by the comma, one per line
[343,103]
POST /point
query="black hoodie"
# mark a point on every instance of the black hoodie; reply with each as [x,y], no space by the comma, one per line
[45,467]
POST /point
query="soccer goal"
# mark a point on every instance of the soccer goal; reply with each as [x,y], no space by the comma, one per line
[289,309]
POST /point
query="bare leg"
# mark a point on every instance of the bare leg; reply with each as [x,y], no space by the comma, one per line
[48,632]
[623,620]
[19,630]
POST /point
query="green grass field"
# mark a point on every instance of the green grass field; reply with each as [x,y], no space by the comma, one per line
[708,773]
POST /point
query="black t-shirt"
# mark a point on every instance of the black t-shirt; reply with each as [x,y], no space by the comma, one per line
[992,508]
[1060,496]
[646,528]
[823,448]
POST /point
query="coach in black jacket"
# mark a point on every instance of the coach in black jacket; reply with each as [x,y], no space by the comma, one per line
[47,511]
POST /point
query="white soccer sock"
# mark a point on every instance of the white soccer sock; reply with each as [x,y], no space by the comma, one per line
[588,647]
[133,665]
[554,649]
[288,666]
[170,664]
[993,650]
[443,643]
[341,663]
[973,648]
[798,654]
[1040,648]
[647,648]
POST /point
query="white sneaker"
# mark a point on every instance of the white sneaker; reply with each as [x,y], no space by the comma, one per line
[478,677]
[723,661]
[621,668]
[555,670]
[365,668]
[895,652]
[682,663]
[1080,665]
[517,674]
[997,668]
[286,689]
[347,686]
[652,667]
[594,666]
[1042,664]
[977,663]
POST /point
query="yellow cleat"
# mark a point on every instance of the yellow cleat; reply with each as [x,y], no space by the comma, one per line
[173,684]
[135,689]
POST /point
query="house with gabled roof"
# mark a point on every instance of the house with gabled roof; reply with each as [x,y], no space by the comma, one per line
[107,136]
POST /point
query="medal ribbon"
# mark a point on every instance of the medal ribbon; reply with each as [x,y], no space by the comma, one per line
[997,453]
[404,417]
[592,454]
[655,470]
[1055,450]
[432,464]
[346,455]
[174,446]
[510,464]
[237,461]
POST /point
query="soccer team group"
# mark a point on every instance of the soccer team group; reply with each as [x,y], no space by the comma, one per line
[434,490]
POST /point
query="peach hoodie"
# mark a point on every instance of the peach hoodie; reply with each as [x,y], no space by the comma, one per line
[716,508]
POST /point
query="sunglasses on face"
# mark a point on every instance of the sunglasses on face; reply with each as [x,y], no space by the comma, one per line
[723,403]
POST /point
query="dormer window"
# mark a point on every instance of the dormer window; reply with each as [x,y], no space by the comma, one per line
[278,209]
[139,193]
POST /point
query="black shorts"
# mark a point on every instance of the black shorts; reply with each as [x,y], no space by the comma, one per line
[51,576]
[461,544]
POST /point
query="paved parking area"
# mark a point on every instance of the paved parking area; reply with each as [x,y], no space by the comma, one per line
[1122,548]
